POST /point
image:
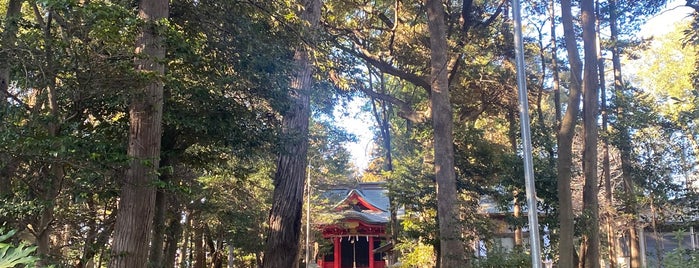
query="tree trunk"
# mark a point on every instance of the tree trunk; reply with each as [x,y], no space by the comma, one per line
[452,252]
[282,244]
[161,204]
[516,207]
[7,43]
[612,242]
[590,106]
[89,249]
[566,133]
[382,117]
[172,235]
[624,143]
[199,251]
[136,207]
[231,254]
[184,249]
[215,249]
[55,173]
[554,65]
[158,237]
[97,236]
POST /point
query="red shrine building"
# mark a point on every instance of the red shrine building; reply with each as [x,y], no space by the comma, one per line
[361,216]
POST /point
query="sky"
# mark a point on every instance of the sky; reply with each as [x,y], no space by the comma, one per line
[663,22]
[360,124]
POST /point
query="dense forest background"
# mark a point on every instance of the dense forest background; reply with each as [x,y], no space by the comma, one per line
[157,133]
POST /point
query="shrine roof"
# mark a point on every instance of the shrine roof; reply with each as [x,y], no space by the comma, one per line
[374,193]
[371,218]
[367,202]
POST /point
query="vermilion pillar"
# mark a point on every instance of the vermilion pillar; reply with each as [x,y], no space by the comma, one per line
[371,252]
[337,252]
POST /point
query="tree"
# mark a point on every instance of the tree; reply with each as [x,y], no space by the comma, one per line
[137,204]
[566,133]
[451,253]
[223,98]
[626,13]
[379,34]
[8,38]
[282,245]
[590,237]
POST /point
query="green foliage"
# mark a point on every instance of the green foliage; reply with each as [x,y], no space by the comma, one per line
[225,83]
[329,159]
[416,255]
[501,258]
[665,72]
[411,186]
[13,255]
[680,257]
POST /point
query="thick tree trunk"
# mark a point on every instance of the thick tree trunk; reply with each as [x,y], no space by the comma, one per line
[43,235]
[452,253]
[565,141]
[282,245]
[136,206]
[590,107]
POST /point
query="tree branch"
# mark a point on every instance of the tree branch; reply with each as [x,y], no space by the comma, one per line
[455,62]
[495,15]
[387,67]
[690,3]
[405,112]
[15,98]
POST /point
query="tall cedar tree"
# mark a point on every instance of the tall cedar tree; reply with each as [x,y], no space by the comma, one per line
[282,245]
[591,238]
[451,252]
[566,133]
[135,215]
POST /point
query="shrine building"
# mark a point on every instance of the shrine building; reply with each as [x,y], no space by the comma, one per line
[360,220]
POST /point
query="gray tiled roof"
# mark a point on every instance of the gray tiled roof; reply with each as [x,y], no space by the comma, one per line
[368,217]
[375,193]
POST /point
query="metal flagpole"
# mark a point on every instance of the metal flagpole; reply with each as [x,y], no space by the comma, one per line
[526,138]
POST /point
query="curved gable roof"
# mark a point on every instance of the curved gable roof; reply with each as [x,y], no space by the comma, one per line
[356,199]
